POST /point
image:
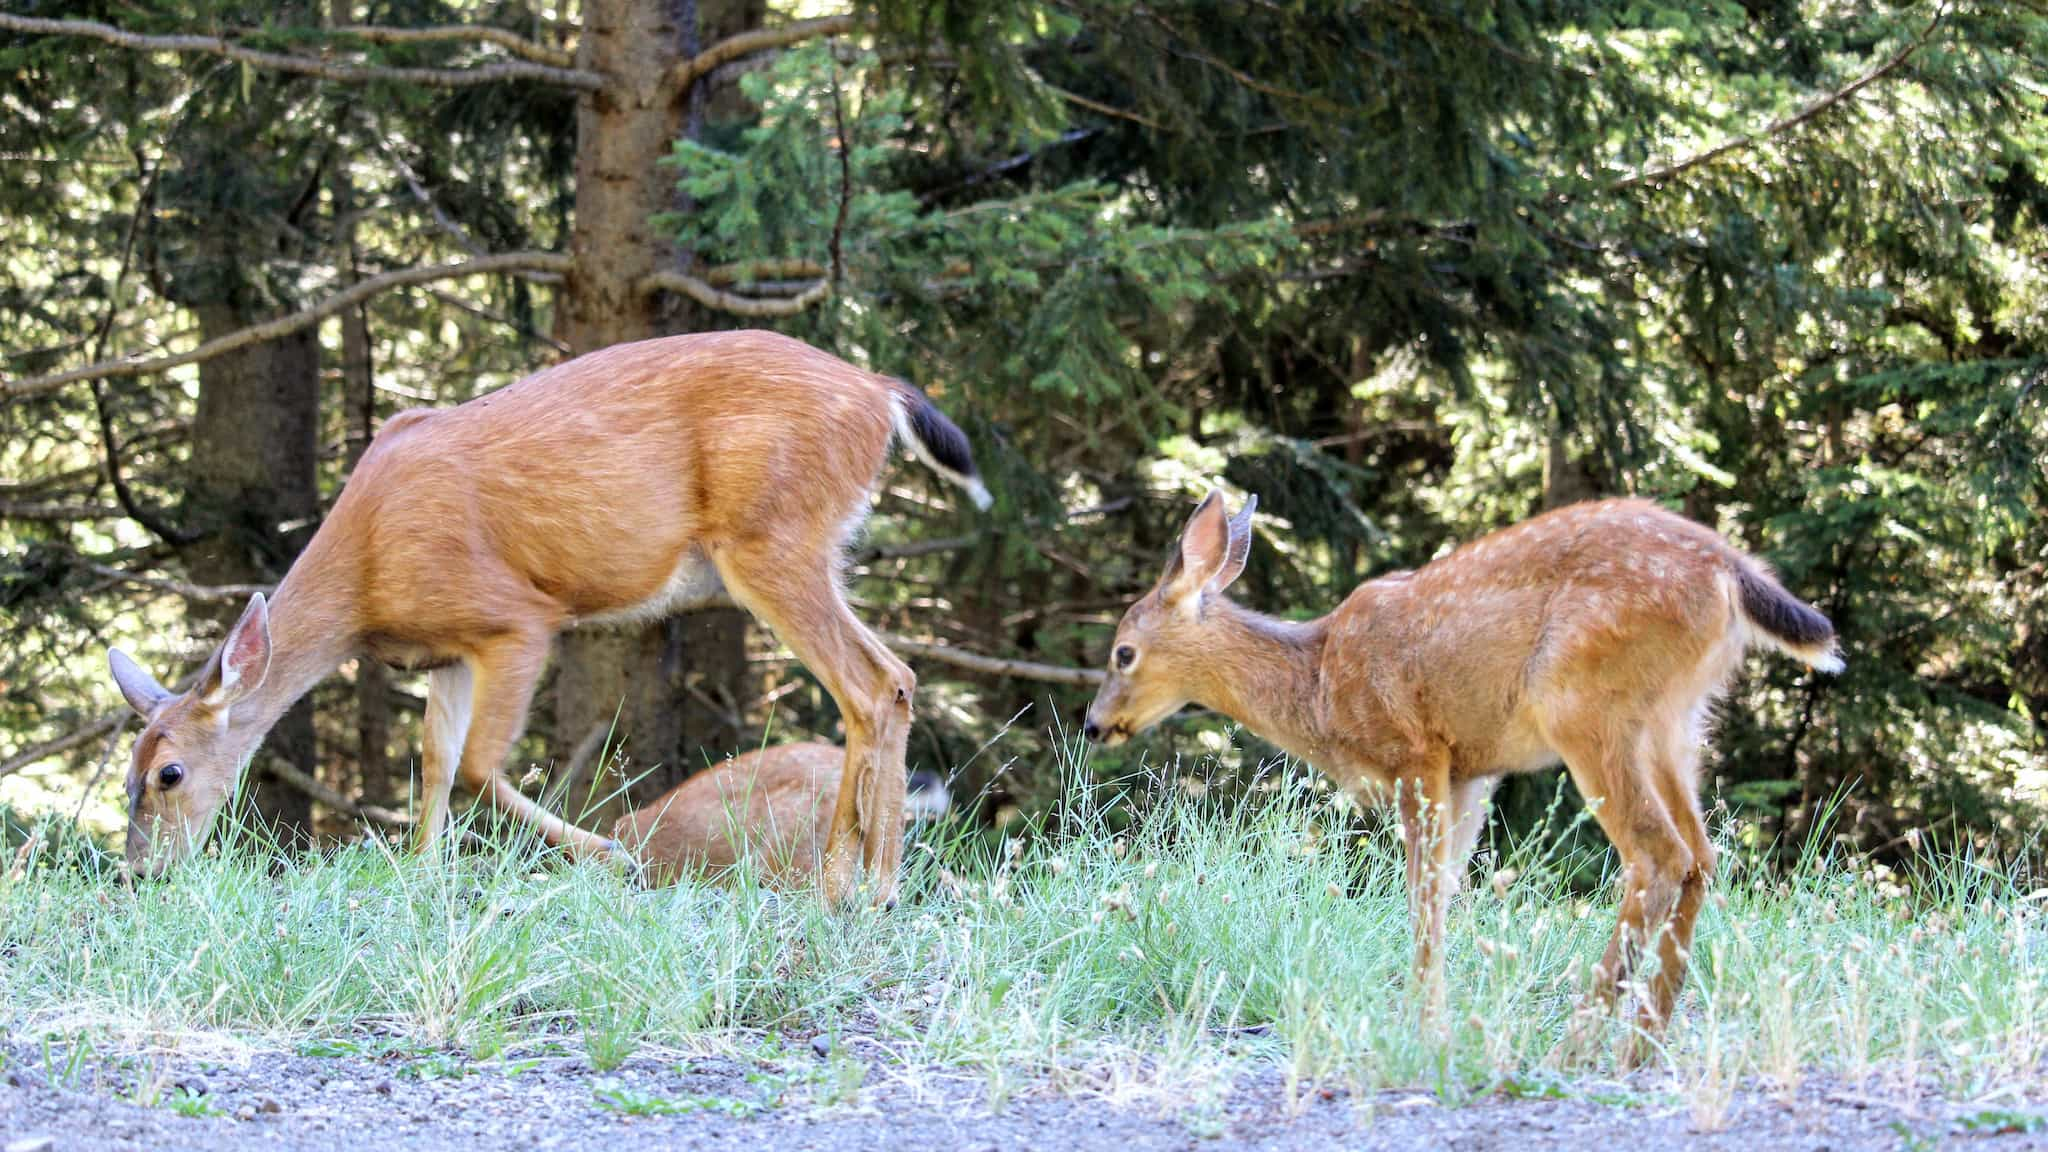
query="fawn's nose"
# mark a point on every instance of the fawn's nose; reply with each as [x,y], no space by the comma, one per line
[1091,730]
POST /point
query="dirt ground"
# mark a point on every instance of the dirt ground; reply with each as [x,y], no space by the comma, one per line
[856,1099]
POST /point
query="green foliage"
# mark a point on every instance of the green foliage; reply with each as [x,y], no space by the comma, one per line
[1410,272]
[1412,275]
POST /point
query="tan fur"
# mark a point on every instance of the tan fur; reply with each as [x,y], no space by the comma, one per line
[1596,635]
[773,805]
[607,487]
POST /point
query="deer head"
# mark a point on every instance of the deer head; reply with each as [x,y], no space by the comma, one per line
[1164,650]
[187,760]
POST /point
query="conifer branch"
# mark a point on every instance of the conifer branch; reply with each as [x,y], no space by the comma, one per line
[493,73]
[688,72]
[1777,128]
[357,293]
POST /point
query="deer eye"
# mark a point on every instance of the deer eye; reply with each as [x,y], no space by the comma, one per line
[169,775]
[1125,656]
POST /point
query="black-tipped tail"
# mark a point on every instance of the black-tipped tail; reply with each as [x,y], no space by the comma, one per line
[1795,625]
[938,442]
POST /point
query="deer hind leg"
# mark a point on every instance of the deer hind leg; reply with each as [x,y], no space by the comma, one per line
[1429,831]
[1614,771]
[801,601]
[1675,753]
[449,693]
[504,673]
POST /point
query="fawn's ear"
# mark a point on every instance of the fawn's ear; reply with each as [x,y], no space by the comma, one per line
[1211,552]
[243,661]
[138,687]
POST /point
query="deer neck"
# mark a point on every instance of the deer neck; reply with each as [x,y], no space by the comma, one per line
[312,630]
[1267,675]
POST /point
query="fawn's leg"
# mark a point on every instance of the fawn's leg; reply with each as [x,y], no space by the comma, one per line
[1675,758]
[1616,776]
[1428,832]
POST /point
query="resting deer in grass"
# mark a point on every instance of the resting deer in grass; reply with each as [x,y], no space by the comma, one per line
[772,806]
[1598,635]
[621,485]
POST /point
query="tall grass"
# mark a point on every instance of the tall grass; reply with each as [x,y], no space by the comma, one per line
[1147,944]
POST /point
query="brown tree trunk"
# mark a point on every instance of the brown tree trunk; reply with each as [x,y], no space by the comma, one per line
[648,688]
[1566,480]
[373,777]
[253,490]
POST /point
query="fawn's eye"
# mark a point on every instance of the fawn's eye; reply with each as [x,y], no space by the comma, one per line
[1125,656]
[169,775]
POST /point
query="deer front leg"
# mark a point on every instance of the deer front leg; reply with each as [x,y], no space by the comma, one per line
[449,693]
[1428,832]
[503,675]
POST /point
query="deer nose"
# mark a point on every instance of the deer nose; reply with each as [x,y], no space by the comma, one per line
[1091,730]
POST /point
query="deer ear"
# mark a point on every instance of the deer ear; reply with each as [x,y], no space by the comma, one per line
[1240,548]
[138,687]
[1201,554]
[244,660]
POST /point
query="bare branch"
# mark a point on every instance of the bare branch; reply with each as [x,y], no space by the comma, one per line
[1778,128]
[755,271]
[11,390]
[99,770]
[730,303]
[523,331]
[995,666]
[54,512]
[110,443]
[169,431]
[198,593]
[936,544]
[504,38]
[1080,101]
[845,178]
[687,72]
[427,201]
[286,773]
[37,753]
[309,65]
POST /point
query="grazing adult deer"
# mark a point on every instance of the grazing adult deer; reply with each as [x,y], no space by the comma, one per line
[1598,634]
[622,485]
[772,806]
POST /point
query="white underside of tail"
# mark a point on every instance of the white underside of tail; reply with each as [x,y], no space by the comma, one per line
[1826,658]
[1819,657]
[907,435]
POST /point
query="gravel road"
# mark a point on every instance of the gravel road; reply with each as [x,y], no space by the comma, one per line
[857,1100]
